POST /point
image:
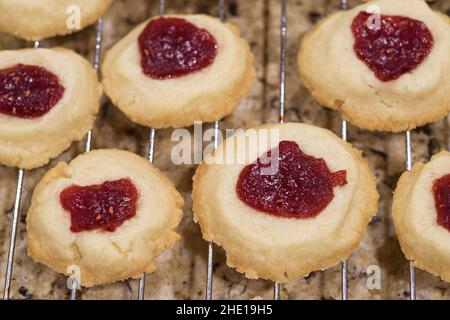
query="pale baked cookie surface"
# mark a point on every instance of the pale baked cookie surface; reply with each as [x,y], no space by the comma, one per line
[39,19]
[204,95]
[338,79]
[276,247]
[423,241]
[31,143]
[103,256]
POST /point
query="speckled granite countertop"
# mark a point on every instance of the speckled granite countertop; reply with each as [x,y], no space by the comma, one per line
[182,270]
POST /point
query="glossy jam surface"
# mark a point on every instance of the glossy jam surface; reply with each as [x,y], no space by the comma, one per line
[441,192]
[393,47]
[301,187]
[105,206]
[28,91]
[174,47]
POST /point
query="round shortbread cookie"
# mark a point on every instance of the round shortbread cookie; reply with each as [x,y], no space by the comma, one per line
[345,83]
[39,19]
[103,256]
[275,247]
[423,240]
[204,95]
[31,142]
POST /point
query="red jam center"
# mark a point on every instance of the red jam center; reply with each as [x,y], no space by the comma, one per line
[174,47]
[105,206]
[395,46]
[301,187]
[441,191]
[28,91]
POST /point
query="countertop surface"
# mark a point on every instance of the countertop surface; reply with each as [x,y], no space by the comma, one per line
[181,272]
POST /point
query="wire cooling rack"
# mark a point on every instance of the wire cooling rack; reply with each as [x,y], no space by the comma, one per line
[8,275]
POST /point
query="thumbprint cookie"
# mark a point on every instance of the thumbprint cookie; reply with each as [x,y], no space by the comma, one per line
[387,64]
[171,71]
[421,213]
[48,99]
[109,213]
[36,20]
[284,200]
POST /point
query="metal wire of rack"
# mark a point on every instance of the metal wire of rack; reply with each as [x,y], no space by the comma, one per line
[344,271]
[16,213]
[282,103]
[408,165]
[14,225]
[282,92]
[12,241]
[20,182]
[89,136]
[216,126]
[150,157]
[282,97]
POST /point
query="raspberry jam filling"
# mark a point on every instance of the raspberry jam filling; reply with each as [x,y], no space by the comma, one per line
[174,47]
[28,91]
[301,187]
[394,47]
[104,206]
[441,192]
